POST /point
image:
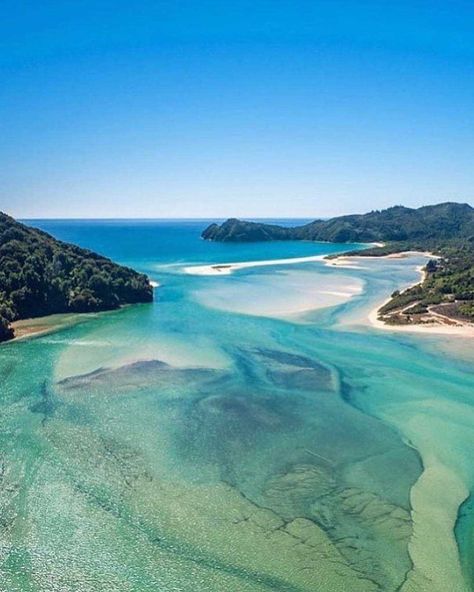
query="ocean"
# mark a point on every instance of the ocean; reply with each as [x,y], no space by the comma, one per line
[248,431]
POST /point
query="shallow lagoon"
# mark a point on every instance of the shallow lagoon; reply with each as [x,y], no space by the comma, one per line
[205,443]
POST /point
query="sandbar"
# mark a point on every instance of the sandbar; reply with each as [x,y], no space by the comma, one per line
[228,268]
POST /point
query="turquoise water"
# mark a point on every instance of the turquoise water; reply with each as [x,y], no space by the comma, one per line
[230,436]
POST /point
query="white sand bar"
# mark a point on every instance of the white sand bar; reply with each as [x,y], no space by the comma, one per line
[228,268]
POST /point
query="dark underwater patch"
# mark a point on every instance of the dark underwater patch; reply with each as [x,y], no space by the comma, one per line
[140,374]
[293,371]
[46,405]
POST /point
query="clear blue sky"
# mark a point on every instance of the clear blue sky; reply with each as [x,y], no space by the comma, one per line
[215,109]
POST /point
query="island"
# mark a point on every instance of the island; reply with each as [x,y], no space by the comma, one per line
[446,231]
[40,275]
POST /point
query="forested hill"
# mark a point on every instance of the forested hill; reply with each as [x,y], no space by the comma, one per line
[40,275]
[446,230]
[439,222]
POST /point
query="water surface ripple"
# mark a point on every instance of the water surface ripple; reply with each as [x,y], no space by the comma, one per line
[238,434]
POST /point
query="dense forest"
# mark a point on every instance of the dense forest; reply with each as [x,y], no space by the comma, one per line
[40,275]
[439,222]
[446,230]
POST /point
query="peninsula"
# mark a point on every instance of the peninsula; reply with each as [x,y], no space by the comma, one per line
[446,230]
[40,276]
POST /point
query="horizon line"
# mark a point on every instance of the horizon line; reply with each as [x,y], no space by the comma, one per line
[189,219]
[242,217]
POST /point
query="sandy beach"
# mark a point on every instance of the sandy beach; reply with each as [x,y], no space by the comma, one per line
[26,328]
[436,327]
[228,268]
[346,260]
[260,365]
[34,327]
[438,323]
[343,261]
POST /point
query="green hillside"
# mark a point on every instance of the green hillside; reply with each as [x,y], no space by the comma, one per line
[446,230]
[40,275]
[438,222]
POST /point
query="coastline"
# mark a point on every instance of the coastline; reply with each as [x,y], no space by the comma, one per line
[228,268]
[436,326]
[38,326]
[149,390]
[460,329]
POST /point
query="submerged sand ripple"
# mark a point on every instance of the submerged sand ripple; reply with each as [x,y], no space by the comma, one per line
[175,490]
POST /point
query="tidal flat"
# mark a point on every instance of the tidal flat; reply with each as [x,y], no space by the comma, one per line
[204,443]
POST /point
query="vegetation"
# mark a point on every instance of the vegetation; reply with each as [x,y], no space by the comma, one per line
[448,287]
[40,275]
[416,309]
[446,230]
[397,224]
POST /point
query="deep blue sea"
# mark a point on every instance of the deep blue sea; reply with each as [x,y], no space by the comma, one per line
[168,241]
[248,431]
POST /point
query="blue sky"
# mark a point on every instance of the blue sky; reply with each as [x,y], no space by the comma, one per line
[216,109]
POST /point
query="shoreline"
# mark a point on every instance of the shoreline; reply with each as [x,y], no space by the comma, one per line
[451,327]
[459,329]
[229,268]
[38,326]
[437,326]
